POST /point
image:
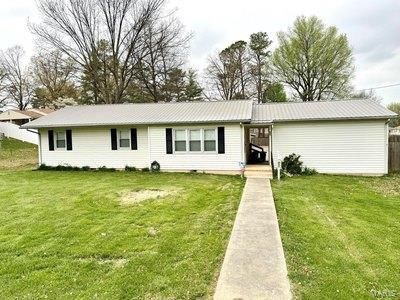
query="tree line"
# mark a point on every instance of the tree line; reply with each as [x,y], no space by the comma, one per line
[119,51]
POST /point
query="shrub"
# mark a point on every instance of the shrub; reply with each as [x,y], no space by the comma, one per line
[43,167]
[309,171]
[145,170]
[130,169]
[105,169]
[291,164]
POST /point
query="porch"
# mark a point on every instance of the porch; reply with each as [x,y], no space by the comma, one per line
[258,145]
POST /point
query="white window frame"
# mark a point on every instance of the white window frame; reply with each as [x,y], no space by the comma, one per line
[190,140]
[187,134]
[55,140]
[186,140]
[119,139]
[216,140]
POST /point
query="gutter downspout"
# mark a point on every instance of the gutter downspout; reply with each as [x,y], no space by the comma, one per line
[39,144]
[387,146]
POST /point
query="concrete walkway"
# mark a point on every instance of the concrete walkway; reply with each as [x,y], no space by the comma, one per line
[254,266]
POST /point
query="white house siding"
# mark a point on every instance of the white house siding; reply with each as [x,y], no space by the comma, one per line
[338,147]
[92,147]
[198,161]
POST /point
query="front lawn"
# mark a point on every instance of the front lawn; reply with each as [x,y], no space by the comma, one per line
[341,235]
[69,235]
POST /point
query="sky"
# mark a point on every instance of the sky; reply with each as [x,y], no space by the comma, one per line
[372,27]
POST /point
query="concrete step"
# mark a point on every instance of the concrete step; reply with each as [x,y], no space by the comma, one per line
[268,175]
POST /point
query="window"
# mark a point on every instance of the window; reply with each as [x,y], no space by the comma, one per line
[180,140]
[210,143]
[124,139]
[60,139]
[195,140]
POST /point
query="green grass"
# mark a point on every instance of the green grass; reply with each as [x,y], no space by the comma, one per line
[340,235]
[66,235]
[16,154]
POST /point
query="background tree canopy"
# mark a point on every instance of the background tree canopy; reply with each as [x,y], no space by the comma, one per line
[117,51]
[314,60]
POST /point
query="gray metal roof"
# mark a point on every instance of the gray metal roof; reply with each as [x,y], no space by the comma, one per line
[147,113]
[210,112]
[320,110]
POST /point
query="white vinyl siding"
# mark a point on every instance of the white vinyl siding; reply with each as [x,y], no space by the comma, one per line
[92,147]
[200,161]
[341,147]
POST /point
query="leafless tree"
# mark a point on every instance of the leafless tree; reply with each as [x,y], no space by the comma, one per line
[164,51]
[2,86]
[224,74]
[77,27]
[18,85]
[55,78]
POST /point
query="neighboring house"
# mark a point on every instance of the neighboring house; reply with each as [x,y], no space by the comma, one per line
[20,117]
[348,137]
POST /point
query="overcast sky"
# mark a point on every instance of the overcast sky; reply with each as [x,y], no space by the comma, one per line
[373,29]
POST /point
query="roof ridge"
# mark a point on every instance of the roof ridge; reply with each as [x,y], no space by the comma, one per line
[160,103]
[317,101]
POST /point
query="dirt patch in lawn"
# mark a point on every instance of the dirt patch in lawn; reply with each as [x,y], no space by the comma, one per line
[387,186]
[116,263]
[133,197]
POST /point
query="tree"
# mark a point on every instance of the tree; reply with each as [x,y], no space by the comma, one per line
[366,94]
[54,77]
[395,107]
[274,92]
[193,90]
[162,58]
[314,60]
[227,71]
[3,98]
[259,55]
[97,81]
[174,86]
[18,85]
[77,27]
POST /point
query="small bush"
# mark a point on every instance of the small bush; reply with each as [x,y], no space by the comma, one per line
[130,169]
[145,170]
[291,164]
[43,167]
[309,171]
[105,169]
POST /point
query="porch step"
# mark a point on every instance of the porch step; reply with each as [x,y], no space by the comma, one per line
[258,171]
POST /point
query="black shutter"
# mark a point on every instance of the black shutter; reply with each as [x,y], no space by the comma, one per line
[51,140]
[133,139]
[168,134]
[114,145]
[69,140]
[221,140]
